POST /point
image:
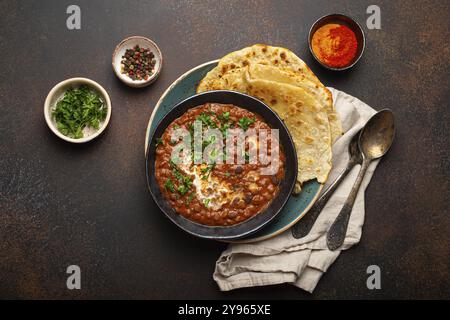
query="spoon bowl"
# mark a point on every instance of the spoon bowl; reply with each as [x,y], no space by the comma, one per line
[377,136]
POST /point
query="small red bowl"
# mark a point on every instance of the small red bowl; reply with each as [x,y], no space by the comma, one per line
[342,20]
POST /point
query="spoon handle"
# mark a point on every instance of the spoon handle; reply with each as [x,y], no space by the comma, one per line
[338,230]
[304,226]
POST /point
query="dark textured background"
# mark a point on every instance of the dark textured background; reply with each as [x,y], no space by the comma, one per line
[63,204]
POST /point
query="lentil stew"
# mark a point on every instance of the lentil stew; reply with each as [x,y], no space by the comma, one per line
[217,193]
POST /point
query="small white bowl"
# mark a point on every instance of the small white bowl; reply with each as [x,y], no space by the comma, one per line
[57,93]
[129,43]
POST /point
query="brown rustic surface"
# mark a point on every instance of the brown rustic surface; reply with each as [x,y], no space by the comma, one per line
[63,204]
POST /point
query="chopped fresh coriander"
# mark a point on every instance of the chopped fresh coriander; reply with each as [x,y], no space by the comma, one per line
[159,141]
[206,119]
[227,174]
[182,189]
[169,185]
[245,122]
[191,129]
[175,126]
[184,182]
[185,186]
[224,128]
[177,174]
[175,170]
[187,181]
[207,142]
[190,198]
[213,154]
[224,116]
[206,171]
[172,164]
[79,108]
[206,202]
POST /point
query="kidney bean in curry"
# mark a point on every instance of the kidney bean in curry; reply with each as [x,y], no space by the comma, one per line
[216,194]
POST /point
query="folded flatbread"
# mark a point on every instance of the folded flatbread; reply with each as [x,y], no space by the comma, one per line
[284,82]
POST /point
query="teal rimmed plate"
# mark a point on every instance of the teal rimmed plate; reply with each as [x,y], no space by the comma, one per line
[184,87]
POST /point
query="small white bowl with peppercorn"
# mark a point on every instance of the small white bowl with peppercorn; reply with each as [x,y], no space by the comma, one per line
[137,61]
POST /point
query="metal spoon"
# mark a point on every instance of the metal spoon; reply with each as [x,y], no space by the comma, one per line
[375,140]
[304,226]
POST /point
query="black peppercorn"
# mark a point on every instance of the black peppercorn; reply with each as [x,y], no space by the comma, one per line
[138,63]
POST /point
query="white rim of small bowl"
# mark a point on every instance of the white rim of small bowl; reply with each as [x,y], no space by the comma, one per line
[137,83]
[68,83]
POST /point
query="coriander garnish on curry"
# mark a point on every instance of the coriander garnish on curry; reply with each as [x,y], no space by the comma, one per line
[217,192]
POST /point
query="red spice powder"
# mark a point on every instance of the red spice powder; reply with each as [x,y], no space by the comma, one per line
[335,45]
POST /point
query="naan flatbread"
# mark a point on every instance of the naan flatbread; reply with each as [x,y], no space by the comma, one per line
[284,82]
[320,93]
[260,54]
[307,122]
[271,63]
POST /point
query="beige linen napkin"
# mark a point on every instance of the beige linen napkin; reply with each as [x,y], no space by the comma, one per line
[302,262]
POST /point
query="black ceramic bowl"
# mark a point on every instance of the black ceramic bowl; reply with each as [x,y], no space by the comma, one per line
[343,20]
[256,222]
